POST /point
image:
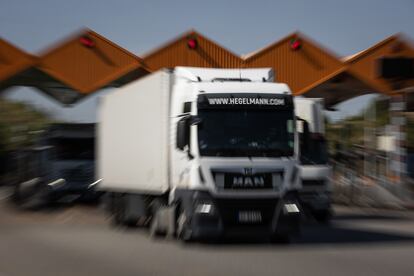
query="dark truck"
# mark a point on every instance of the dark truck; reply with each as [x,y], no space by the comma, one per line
[61,167]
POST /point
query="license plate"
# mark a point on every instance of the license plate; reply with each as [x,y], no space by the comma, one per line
[250,216]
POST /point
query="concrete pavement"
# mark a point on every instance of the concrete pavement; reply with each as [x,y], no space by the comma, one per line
[77,240]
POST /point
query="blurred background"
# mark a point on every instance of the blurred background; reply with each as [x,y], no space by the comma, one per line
[57,59]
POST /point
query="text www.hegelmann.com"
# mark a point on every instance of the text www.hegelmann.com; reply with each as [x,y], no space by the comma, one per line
[245,101]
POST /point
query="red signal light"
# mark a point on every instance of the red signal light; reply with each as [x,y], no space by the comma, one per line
[87,41]
[192,43]
[295,44]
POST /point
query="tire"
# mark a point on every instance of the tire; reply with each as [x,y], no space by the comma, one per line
[118,212]
[115,211]
[183,229]
[155,230]
[34,199]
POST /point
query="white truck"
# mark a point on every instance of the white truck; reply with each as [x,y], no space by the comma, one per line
[315,171]
[201,153]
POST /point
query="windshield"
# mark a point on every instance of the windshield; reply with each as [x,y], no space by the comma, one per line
[74,148]
[246,132]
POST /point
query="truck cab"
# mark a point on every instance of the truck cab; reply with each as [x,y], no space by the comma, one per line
[236,153]
[60,167]
[315,172]
[208,153]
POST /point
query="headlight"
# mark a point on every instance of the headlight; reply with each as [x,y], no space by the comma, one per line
[291,208]
[204,208]
[94,183]
[57,183]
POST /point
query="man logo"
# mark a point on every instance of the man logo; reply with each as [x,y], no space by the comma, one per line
[248,171]
[248,181]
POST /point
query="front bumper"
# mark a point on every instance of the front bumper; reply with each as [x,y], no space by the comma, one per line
[210,217]
[71,190]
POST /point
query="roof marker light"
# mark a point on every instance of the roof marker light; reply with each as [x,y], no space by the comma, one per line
[87,41]
[192,43]
[295,44]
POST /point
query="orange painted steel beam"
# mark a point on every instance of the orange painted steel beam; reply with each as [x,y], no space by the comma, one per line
[86,61]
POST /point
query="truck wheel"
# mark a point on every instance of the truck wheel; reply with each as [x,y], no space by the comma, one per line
[34,199]
[183,231]
[155,229]
[118,208]
[116,211]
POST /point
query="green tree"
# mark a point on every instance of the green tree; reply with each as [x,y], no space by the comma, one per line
[19,124]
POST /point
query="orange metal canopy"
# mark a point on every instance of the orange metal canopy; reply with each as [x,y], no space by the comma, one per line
[363,63]
[177,53]
[86,62]
[88,67]
[71,69]
[13,61]
[311,71]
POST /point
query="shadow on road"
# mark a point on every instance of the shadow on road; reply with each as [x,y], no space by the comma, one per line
[314,234]
[345,227]
[370,217]
[338,235]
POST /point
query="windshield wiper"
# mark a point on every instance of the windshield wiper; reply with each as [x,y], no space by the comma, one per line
[275,152]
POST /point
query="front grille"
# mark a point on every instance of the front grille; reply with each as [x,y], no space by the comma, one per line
[77,175]
[229,210]
[256,181]
[240,181]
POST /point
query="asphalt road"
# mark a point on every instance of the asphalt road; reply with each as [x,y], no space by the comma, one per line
[77,240]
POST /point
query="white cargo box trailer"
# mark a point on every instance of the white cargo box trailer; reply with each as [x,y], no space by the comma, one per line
[133,156]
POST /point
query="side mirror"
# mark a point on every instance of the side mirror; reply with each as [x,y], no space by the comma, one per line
[195,120]
[183,133]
